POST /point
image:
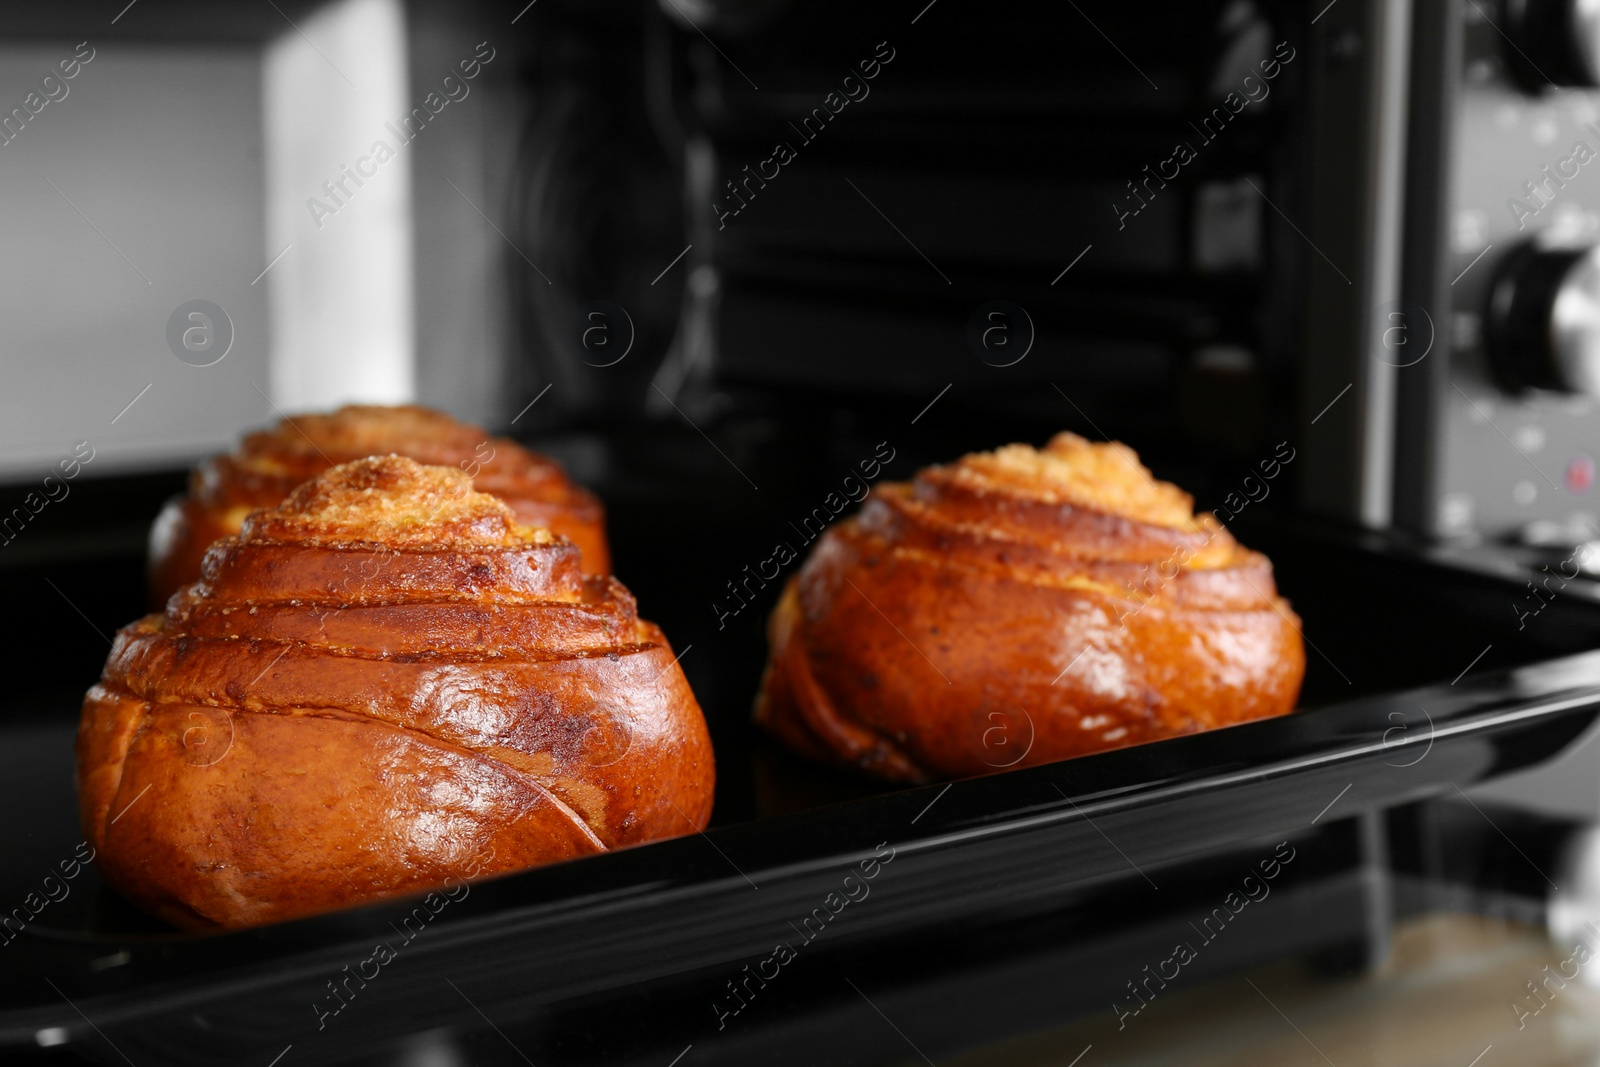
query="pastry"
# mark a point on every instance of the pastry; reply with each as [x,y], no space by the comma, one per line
[380,685]
[268,465]
[1021,606]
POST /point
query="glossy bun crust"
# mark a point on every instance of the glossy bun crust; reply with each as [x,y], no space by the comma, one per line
[1022,606]
[385,683]
[268,465]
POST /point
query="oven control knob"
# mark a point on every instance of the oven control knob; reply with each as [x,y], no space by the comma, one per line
[1553,42]
[1542,326]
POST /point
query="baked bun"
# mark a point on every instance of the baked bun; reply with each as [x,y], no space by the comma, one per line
[268,465]
[1022,606]
[384,683]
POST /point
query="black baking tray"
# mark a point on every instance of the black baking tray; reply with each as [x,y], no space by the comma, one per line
[1419,682]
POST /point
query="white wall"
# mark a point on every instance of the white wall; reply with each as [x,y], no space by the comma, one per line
[160,148]
[341,297]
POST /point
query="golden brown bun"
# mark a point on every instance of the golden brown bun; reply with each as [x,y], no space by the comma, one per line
[1022,606]
[268,465]
[381,684]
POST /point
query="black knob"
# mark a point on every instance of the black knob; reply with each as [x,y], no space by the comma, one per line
[1553,42]
[1542,325]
